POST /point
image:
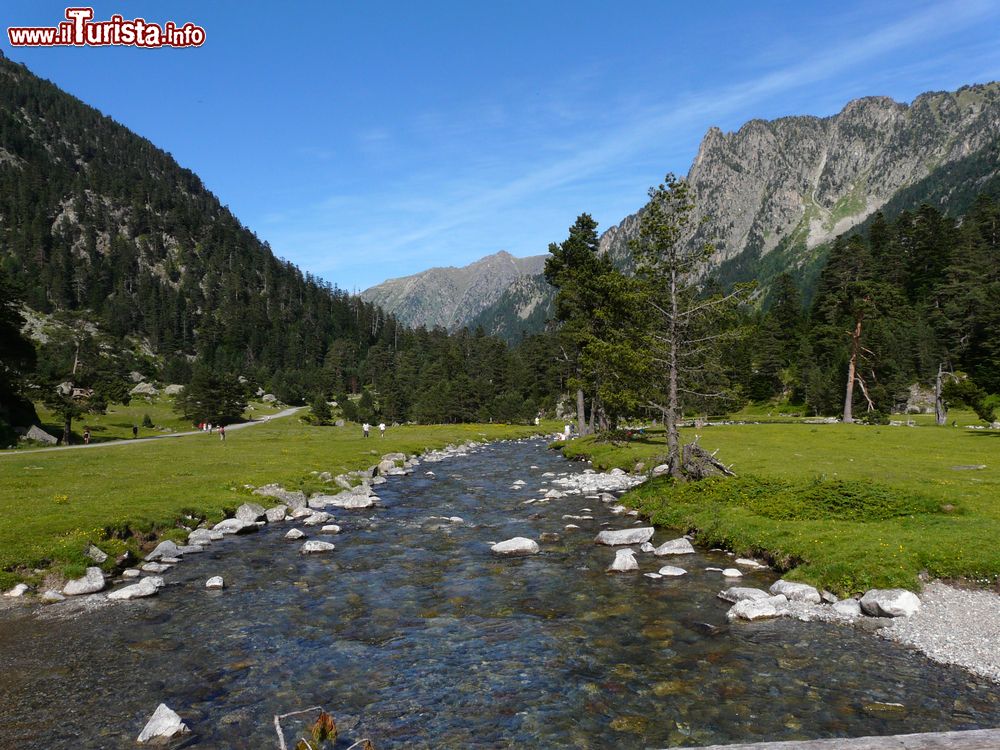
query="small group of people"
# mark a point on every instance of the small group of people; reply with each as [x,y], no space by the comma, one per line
[365,428]
[209,427]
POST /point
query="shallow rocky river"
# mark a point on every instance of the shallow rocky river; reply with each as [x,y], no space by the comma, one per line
[414,634]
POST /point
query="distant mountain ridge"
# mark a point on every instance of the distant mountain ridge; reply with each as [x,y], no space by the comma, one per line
[452,297]
[776,192]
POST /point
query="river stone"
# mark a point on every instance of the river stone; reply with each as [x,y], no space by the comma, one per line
[51,597]
[759,609]
[385,466]
[154,567]
[330,529]
[394,457]
[235,526]
[890,603]
[215,582]
[732,573]
[352,501]
[145,587]
[379,480]
[647,547]
[303,512]
[671,572]
[276,514]
[549,536]
[294,534]
[164,723]
[674,547]
[310,548]
[318,518]
[91,583]
[189,549]
[615,537]
[96,554]
[19,590]
[251,512]
[746,562]
[519,545]
[200,536]
[163,549]
[131,573]
[743,593]
[847,607]
[624,561]
[796,592]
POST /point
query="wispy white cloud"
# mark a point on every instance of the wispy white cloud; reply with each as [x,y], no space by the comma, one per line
[433,204]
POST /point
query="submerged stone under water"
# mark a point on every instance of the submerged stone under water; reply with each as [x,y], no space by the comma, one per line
[414,634]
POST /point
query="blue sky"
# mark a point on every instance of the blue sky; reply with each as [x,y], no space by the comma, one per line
[367,140]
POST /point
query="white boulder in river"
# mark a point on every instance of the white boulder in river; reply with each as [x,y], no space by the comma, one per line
[614,537]
[796,592]
[314,547]
[145,587]
[624,561]
[164,723]
[519,545]
[669,571]
[674,547]
[890,603]
[91,583]
[215,582]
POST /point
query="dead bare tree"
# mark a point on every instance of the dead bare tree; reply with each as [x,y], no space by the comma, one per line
[688,323]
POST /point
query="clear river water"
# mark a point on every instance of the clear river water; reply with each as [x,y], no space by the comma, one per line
[414,634]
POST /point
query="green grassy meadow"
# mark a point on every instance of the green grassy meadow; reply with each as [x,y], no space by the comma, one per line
[116,423]
[53,503]
[848,507]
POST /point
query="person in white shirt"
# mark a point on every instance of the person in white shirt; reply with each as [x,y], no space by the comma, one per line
[381,428]
[365,427]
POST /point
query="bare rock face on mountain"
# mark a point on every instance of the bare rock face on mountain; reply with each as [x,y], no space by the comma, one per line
[801,181]
[452,297]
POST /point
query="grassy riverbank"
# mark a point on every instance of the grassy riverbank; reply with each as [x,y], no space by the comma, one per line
[53,503]
[847,507]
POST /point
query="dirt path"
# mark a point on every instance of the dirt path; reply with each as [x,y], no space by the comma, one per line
[285,413]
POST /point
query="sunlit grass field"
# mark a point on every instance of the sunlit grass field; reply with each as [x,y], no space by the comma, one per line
[847,507]
[53,503]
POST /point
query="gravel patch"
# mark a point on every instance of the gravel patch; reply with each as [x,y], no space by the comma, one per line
[954,626]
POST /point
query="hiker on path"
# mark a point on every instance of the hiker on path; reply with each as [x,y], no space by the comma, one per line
[135,431]
[86,436]
[365,427]
[222,433]
[381,428]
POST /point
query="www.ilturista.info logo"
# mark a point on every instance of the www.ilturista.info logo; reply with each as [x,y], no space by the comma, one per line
[80,30]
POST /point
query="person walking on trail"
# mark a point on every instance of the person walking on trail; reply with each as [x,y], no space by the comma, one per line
[381,428]
[365,427]
[86,436]
[222,433]
[135,431]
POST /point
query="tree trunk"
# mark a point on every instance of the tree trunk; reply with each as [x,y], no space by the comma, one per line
[593,411]
[581,416]
[67,429]
[673,439]
[852,367]
[940,410]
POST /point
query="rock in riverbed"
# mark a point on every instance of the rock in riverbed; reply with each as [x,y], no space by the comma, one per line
[743,593]
[276,514]
[19,590]
[615,537]
[796,592]
[519,545]
[890,603]
[145,587]
[235,526]
[164,723]
[294,534]
[251,512]
[215,582]
[164,549]
[91,583]
[669,571]
[674,547]
[624,561]
[758,609]
[312,548]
